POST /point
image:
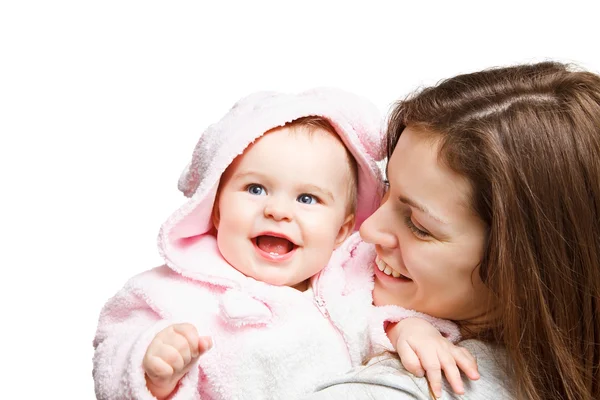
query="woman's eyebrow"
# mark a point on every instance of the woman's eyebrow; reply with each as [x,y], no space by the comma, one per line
[422,208]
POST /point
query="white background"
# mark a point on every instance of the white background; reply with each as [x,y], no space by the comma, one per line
[102,102]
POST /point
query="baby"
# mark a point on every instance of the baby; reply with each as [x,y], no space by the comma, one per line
[257,260]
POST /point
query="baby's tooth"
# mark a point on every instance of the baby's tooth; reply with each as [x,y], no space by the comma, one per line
[395,274]
[387,271]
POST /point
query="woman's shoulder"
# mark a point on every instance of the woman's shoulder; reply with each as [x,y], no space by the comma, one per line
[385,378]
[381,378]
[495,382]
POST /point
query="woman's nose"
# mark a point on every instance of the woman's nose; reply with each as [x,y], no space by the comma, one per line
[377,230]
[278,209]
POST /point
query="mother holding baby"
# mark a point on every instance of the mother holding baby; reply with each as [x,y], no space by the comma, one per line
[492,220]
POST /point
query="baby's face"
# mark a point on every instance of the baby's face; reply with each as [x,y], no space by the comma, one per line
[282,206]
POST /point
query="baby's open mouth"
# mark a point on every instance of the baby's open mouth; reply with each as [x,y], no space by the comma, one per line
[274,245]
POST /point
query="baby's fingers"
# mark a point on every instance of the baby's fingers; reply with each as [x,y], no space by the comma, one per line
[409,359]
[466,362]
[173,357]
[452,372]
[431,363]
[157,369]
[190,334]
[433,371]
[205,343]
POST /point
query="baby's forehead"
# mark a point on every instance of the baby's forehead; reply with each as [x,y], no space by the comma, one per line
[302,138]
[297,149]
[297,130]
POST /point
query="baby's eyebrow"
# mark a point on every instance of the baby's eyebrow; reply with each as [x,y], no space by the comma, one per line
[314,188]
[245,174]
[422,208]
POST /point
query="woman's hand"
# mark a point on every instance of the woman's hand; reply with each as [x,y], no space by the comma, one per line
[424,351]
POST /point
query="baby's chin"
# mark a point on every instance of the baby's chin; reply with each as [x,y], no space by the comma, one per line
[275,279]
[301,286]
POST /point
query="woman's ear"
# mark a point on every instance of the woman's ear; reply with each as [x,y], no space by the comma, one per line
[345,230]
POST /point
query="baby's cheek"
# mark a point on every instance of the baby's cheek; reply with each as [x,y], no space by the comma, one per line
[319,241]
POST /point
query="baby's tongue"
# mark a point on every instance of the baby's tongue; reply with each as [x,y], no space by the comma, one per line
[271,244]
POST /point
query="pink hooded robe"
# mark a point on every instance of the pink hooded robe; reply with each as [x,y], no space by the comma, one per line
[270,342]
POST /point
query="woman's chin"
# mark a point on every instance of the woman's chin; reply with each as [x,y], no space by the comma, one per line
[382,297]
[377,303]
[399,291]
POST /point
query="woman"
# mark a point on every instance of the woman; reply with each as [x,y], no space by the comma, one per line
[492,218]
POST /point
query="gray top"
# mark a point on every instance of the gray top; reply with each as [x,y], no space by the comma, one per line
[385,378]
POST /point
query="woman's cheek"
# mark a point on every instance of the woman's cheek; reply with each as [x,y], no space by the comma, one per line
[410,260]
[419,259]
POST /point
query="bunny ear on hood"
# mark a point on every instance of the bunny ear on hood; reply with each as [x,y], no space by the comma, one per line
[356,121]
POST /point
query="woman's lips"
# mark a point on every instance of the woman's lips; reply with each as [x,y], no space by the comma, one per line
[389,271]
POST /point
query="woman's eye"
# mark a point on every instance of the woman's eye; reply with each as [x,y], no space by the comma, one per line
[256,190]
[418,232]
[307,199]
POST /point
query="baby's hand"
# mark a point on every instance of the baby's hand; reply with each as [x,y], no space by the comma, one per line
[422,349]
[170,356]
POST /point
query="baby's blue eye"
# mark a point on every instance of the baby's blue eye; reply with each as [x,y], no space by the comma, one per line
[306,199]
[256,190]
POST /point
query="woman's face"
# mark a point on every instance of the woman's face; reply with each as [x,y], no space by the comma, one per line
[429,241]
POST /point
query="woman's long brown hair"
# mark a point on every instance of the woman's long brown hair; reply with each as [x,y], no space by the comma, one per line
[528,139]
